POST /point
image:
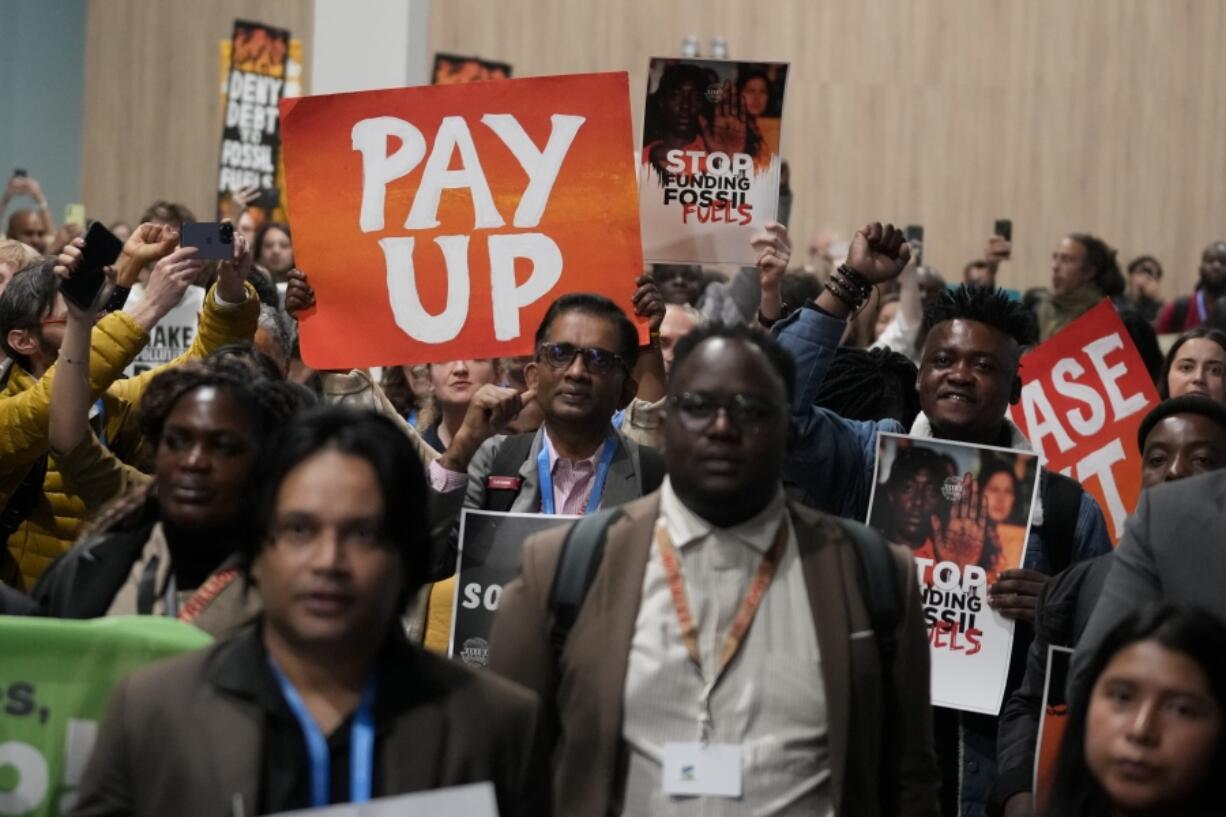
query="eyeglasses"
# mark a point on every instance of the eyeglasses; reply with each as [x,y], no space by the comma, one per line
[697,411]
[595,359]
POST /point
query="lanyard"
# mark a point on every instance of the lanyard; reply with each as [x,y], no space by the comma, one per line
[740,624]
[545,475]
[1200,308]
[361,743]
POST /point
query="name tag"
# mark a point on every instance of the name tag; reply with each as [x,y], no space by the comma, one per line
[695,769]
[504,483]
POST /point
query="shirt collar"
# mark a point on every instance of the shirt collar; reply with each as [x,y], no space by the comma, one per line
[686,527]
[553,452]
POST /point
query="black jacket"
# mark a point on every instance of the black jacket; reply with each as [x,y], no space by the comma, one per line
[1064,610]
[83,582]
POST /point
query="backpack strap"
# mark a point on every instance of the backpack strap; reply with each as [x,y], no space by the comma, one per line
[651,469]
[880,587]
[503,483]
[1061,507]
[581,553]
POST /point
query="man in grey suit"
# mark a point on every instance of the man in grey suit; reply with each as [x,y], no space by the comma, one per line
[726,659]
[323,701]
[577,462]
[1172,550]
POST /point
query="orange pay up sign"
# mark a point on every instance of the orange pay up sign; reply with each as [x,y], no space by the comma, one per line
[1084,394]
[439,222]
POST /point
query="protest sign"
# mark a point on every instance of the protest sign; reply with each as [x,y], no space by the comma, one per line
[709,170]
[173,334]
[489,558]
[250,134]
[439,222]
[55,686]
[473,800]
[295,85]
[964,511]
[1053,719]
[452,69]
[1084,394]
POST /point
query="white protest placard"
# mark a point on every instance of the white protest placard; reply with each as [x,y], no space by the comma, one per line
[473,800]
[964,511]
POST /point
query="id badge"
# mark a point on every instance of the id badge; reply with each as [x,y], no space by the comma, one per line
[713,769]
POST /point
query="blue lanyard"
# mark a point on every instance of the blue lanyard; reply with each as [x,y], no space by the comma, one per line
[545,476]
[361,744]
[100,404]
[1200,308]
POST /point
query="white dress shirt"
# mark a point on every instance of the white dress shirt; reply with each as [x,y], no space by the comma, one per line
[770,700]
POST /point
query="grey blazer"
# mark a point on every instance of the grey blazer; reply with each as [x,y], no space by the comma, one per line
[1171,551]
[623,484]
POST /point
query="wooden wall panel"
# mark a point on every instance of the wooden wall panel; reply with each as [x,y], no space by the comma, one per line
[152,121]
[1098,115]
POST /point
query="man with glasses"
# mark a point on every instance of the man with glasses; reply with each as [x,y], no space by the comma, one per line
[724,660]
[586,349]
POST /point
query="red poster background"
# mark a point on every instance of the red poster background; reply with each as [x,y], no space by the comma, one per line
[592,212]
[1092,442]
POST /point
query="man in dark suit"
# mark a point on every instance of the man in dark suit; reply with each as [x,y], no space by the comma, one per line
[323,701]
[725,660]
[1171,550]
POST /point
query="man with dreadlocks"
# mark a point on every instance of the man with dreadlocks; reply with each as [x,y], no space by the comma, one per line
[968,377]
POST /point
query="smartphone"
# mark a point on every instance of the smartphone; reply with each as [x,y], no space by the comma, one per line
[101,250]
[20,173]
[213,240]
[1004,229]
[914,234]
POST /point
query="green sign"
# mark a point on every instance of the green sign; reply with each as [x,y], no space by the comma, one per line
[56,679]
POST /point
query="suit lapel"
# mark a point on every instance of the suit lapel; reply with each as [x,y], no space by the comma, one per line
[823,570]
[529,498]
[621,485]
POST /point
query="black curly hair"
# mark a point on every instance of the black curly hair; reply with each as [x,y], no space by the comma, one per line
[269,403]
[984,305]
[870,384]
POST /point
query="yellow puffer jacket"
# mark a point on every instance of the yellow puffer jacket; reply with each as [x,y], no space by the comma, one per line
[56,519]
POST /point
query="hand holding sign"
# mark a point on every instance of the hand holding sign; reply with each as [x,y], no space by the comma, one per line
[648,302]
[1015,594]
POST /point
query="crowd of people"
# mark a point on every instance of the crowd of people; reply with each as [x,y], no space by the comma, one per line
[726,595]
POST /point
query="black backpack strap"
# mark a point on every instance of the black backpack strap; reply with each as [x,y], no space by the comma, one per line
[880,586]
[651,469]
[1061,507]
[581,552]
[503,483]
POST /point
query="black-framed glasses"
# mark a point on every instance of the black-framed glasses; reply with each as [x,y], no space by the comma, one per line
[595,359]
[748,413]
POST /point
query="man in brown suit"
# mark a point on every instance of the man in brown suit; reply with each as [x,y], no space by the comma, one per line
[724,660]
[323,701]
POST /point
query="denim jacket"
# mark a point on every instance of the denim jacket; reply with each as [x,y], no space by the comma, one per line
[830,467]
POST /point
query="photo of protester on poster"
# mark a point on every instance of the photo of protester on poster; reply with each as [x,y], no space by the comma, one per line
[954,502]
[709,166]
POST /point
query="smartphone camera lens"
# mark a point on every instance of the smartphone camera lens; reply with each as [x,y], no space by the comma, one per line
[227,233]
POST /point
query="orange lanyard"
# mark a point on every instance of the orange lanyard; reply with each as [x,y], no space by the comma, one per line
[207,593]
[740,624]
